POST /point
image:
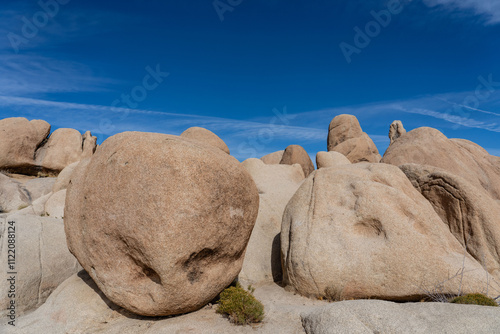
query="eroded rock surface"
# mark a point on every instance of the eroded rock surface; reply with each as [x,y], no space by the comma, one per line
[159,222]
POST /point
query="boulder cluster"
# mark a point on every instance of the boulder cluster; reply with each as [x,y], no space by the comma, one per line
[26,148]
[161,224]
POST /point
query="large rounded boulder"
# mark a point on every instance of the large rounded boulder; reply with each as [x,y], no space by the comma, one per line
[63,148]
[273,158]
[296,154]
[19,139]
[160,223]
[363,231]
[331,159]
[206,137]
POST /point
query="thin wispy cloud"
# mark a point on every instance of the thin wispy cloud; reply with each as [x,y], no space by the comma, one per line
[67,25]
[448,108]
[455,119]
[92,117]
[25,75]
[30,68]
[490,9]
[471,108]
[309,127]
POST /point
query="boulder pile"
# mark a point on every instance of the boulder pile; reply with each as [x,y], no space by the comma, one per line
[26,147]
[156,225]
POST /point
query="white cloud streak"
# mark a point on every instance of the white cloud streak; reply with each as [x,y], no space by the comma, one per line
[30,74]
[263,135]
[488,8]
[89,117]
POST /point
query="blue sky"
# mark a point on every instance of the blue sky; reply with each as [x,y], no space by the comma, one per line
[262,74]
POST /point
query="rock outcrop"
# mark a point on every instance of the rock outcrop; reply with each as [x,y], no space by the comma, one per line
[26,148]
[89,145]
[38,187]
[377,316]
[295,154]
[273,158]
[78,306]
[62,181]
[54,207]
[346,136]
[13,196]
[428,146]
[363,231]
[19,139]
[470,213]
[205,137]
[276,185]
[63,148]
[172,216]
[42,260]
[396,130]
[331,159]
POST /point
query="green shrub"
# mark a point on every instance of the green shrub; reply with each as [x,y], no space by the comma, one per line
[474,298]
[240,305]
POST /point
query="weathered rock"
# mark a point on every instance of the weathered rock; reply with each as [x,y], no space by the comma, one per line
[377,316]
[54,207]
[363,231]
[64,177]
[63,148]
[396,130]
[346,136]
[161,223]
[469,211]
[13,196]
[273,158]
[342,128]
[331,159]
[42,260]
[361,149]
[205,137]
[39,187]
[427,146]
[276,185]
[25,147]
[19,139]
[89,145]
[78,306]
[295,154]
[37,207]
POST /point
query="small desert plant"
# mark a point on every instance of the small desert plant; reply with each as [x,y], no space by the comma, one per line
[474,298]
[23,206]
[331,294]
[240,305]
